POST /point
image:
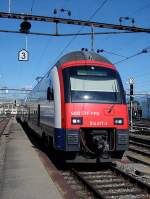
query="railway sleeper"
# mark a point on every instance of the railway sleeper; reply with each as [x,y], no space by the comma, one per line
[114,186]
[97,172]
[100,177]
[124,191]
[140,196]
[106,182]
[143,152]
[139,144]
[77,187]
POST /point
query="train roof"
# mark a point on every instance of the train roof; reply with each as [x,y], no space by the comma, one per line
[81,55]
[76,56]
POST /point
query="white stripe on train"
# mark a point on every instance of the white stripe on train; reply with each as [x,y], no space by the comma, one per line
[57,96]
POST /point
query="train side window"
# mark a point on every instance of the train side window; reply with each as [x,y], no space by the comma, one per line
[50,94]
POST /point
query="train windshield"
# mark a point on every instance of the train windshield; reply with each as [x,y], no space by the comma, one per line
[92,84]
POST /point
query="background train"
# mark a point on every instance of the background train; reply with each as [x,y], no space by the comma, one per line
[79,108]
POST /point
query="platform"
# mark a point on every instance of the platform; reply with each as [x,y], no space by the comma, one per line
[23,175]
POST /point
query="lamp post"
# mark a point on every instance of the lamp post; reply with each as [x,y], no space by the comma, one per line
[131,83]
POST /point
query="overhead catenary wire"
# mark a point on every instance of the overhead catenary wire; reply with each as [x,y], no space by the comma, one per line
[127,57]
[132,14]
[74,37]
[140,9]
[98,9]
[43,52]
[139,82]
[145,50]
[141,75]
[146,82]
[143,82]
[109,52]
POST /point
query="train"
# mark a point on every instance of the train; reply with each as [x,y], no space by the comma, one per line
[79,109]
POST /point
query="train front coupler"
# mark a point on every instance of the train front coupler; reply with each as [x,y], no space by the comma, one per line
[101,148]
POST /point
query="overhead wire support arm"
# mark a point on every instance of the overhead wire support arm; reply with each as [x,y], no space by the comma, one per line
[66,34]
[72,22]
[15,89]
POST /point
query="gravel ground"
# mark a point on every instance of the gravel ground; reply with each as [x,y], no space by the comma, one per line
[3,145]
[134,168]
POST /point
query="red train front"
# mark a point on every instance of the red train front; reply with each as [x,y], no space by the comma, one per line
[94,116]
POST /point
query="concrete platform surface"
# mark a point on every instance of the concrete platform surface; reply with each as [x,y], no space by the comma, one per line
[24,176]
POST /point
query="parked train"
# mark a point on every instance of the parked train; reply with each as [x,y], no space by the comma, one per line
[79,108]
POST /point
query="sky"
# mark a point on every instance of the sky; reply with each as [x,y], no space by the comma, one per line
[45,51]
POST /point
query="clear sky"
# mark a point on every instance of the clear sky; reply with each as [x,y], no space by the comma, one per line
[45,51]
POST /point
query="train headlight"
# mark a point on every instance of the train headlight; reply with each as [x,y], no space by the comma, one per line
[118,121]
[76,120]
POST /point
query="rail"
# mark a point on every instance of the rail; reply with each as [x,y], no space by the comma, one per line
[134,180]
[110,182]
[88,185]
[139,146]
[3,123]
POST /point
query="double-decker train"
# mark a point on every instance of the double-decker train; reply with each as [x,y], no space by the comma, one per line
[79,108]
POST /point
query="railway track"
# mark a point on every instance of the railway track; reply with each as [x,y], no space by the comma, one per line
[84,181]
[3,123]
[110,183]
[142,130]
[144,150]
[139,145]
[142,122]
[139,138]
[143,126]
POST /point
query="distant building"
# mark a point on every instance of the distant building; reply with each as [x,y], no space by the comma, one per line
[8,108]
[145,103]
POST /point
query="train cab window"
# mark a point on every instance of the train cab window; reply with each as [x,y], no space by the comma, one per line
[93,84]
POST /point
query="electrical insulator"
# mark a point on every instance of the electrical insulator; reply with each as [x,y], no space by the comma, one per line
[100,50]
[25,27]
[55,11]
[69,13]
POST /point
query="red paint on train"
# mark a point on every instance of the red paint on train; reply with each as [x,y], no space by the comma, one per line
[96,115]
[87,62]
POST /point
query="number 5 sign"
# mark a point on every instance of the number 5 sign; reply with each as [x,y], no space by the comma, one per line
[23,55]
